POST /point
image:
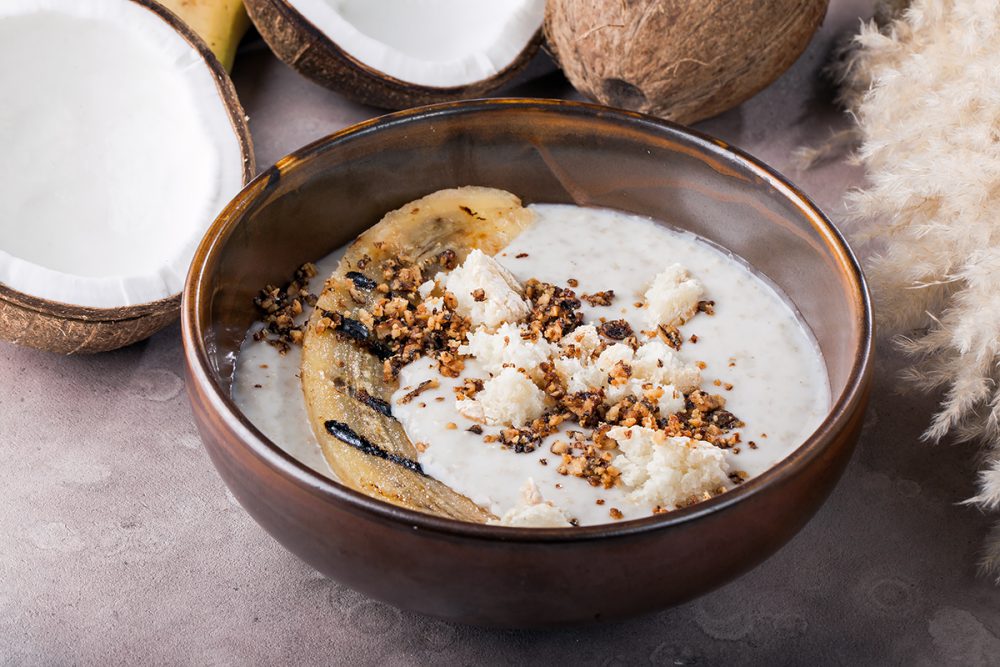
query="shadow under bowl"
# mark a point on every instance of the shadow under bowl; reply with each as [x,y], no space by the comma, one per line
[322,196]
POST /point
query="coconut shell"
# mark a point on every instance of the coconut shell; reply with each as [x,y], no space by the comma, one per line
[299,44]
[69,329]
[683,61]
[66,329]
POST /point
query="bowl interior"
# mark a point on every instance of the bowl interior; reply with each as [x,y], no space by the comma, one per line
[321,197]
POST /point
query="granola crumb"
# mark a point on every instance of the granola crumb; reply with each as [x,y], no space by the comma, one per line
[599,298]
[279,308]
[433,383]
[615,329]
[616,513]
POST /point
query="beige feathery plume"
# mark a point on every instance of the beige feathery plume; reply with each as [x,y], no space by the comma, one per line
[923,83]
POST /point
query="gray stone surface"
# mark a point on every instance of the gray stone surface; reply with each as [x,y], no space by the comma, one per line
[120,544]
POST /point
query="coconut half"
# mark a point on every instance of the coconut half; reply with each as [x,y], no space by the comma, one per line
[399,53]
[123,140]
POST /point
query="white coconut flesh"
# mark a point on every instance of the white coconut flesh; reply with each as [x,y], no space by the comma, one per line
[118,152]
[434,43]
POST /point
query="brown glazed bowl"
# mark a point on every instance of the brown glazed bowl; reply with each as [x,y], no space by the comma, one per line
[322,196]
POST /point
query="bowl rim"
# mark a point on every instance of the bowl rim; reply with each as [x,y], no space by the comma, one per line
[258,445]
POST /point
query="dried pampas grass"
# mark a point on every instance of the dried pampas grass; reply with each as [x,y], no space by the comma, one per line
[923,83]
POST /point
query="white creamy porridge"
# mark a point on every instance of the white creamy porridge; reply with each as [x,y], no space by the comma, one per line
[753,351]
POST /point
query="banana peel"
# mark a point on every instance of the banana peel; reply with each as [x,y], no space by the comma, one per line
[346,394]
[220,23]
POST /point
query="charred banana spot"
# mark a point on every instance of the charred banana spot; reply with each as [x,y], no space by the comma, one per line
[362,396]
[373,402]
[360,334]
[350,437]
[361,281]
[472,214]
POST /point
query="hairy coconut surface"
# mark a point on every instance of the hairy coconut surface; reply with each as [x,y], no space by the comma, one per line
[43,313]
[683,61]
[66,329]
[303,46]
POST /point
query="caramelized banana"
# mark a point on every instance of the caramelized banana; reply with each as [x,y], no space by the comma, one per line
[346,392]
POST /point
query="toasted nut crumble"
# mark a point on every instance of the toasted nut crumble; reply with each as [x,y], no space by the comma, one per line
[279,306]
[599,298]
[738,477]
[468,389]
[670,335]
[554,310]
[433,383]
[615,329]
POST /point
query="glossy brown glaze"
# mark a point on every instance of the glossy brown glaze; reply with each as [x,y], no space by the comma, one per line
[320,197]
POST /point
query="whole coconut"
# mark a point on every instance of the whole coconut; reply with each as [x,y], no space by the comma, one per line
[678,59]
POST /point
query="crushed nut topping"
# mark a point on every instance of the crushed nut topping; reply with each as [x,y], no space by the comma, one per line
[420,388]
[279,307]
[599,298]
[555,311]
[671,335]
[615,329]
[396,324]
[468,389]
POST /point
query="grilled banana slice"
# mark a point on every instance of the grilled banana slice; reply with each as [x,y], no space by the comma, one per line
[345,390]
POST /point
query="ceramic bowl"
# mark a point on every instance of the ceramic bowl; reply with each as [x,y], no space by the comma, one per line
[322,196]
